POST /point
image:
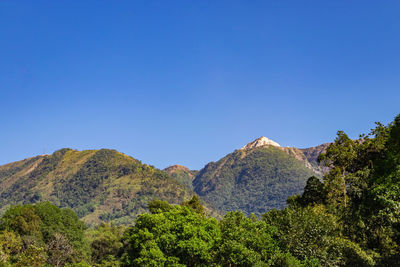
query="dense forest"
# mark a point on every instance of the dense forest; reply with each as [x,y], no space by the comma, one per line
[350,217]
[99,185]
[254,180]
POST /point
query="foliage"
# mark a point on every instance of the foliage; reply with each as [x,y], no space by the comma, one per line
[361,191]
[246,241]
[106,243]
[31,256]
[253,181]
[10,245]
[174,237]
[314,192]
[195,204]
[350,217]
[99,185]
[42,232]
[182,175]
[157,206]
[312,232]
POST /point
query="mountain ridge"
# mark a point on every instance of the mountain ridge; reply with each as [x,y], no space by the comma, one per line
[309,156]
[99,185]
[106,185]
[182,174]
[257,177]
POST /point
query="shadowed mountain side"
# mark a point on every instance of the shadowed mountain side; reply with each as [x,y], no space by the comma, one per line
[312,154]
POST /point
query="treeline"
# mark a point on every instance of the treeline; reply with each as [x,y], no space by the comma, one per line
[349,218]
[170,235]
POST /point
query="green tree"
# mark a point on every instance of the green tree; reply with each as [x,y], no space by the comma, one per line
[246,241]
[382,202]
[312,232]
[313,192]
[157,206]
[106,243]
[10,245]
[56,221]
[174,237]
[48,232]
[339,156]
[195,204]
[32,256]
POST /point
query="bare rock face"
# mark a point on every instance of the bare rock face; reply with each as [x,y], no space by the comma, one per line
[262,141]
[312,154]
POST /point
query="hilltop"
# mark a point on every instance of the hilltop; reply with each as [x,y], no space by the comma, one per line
[99,185]
[182,174]
[256,178]
[106,185]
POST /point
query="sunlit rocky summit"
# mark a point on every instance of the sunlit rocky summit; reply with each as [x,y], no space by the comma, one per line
[262,141]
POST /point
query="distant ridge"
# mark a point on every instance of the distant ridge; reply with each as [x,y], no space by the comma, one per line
[182,174]
[99,185]
[106,185]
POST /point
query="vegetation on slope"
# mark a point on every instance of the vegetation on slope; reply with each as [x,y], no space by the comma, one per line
[182,174]
[99,185]
[253,181]
[349,218]
[352,217]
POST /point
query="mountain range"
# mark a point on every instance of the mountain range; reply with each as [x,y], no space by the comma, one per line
[106,185]
[258,177]
[99,185]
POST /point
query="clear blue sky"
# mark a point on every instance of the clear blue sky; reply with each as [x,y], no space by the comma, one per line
[189,81]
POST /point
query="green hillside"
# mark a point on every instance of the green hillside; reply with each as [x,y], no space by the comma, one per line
[99,185]
[348,218]
[182,174]
[253,180]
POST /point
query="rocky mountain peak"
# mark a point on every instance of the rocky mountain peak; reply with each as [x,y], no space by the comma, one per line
[262,141]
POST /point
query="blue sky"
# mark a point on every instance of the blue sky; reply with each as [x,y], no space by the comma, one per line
[189,81]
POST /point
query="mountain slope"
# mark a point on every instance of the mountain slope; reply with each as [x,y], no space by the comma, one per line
[312,154]
[182,174]
[256,178]
[100,185]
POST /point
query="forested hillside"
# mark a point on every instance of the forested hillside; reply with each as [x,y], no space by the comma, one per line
[105,185]
[349,218]
[182,174]
[253,180]
[99,185]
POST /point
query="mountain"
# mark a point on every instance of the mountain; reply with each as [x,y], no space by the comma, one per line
[312,154]
[256,178]
[106,185]
[182,174]
[262,141]
[99,185]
